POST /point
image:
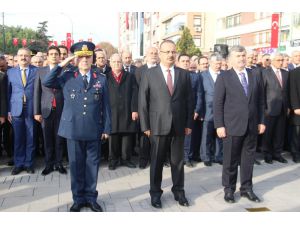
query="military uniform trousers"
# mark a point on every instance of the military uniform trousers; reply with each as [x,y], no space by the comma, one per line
[84,160]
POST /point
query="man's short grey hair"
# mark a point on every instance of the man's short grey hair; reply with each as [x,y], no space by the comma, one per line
[274,55]
[295,52]
[237,48]
[285,55]
[215,57]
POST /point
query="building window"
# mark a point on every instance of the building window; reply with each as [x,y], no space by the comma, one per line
[284,35]
[234,20]
[263,37]
[233,41]
[197,41]
[197,22]
[296,19]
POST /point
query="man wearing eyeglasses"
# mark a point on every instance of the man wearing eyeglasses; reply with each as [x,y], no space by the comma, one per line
[166,115]
[276,91]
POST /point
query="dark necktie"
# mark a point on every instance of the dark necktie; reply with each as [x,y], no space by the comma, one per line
[85,81]
[169,82]
[244,82]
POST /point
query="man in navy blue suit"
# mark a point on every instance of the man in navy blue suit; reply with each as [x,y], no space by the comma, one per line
[84,121]
[20,111]
[211,146]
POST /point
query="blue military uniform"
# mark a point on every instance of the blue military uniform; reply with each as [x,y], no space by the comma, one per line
[86,116]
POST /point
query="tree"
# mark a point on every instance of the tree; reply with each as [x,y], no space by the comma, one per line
[108,47]
[36,40]
[186,43]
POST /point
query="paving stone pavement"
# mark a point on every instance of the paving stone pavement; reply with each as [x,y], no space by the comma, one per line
[126,190]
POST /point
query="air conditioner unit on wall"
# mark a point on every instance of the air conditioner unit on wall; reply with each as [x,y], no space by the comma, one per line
[198,29]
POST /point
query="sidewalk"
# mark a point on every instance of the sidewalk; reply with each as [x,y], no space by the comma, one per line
[126,190]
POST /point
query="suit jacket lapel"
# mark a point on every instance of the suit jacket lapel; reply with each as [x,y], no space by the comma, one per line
[237,82]
[275,77]
[176,72]
[250,84]
[161,77]
[211,81]
[92,81]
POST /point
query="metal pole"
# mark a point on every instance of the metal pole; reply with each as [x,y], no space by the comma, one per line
[3,33]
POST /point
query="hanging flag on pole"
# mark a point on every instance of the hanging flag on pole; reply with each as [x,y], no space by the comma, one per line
[275,30]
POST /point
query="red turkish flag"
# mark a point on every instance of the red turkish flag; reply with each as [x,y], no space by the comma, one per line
[55,43]
[50,43]
[24,42]
[15,42]
[69,40]
[275,30]
[127,20]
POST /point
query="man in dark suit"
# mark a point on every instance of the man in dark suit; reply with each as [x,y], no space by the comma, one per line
[211,145]
[20,111]
[166,114]
[238,117]
[127,62]
[48,105]
[295,113]
[151,61]
[295,60]
[101,61]
[123,96]
[84,120]
[275,81]
[197,90]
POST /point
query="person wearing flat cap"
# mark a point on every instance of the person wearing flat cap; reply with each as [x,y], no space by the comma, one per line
[85,120]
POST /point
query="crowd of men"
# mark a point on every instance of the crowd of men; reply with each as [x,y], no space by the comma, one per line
[169,109]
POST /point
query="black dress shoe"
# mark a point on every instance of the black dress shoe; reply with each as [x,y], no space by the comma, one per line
[47,170]
[280,159]
[167,164]
[268,160]
[94,206]
[155,202]
[61,169]
[219,162]
[181,200]
[256,162]
[142,166]
[229,197]
[76,207]
[16,170]
[30,170]
[112,165]
[197,160]
[207,163]
[250,195]
[296,159]
[189,164]
[128,163]
[11,162]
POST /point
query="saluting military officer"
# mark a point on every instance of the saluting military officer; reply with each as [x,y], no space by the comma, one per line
[86,118]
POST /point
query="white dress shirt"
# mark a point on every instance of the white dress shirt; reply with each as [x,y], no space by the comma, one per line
[213,74]
[165,72]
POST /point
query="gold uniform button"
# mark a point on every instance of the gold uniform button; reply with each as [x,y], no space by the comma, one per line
[84,105]
[85,91]
[85,98]
[84,113]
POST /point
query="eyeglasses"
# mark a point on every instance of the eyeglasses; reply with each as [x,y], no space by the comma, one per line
[168,52]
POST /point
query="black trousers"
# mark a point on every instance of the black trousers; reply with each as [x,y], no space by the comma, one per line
[238,150]
[273,138]
[160,145]
[6,137]
[53,143]
[144,154]
[295,141]
[120,146]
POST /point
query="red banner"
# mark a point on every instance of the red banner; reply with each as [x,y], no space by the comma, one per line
[55,43]
[274,30]
[24,42]
[63,43]
[127,20]
[50,43]
[69,40]
[15,42]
